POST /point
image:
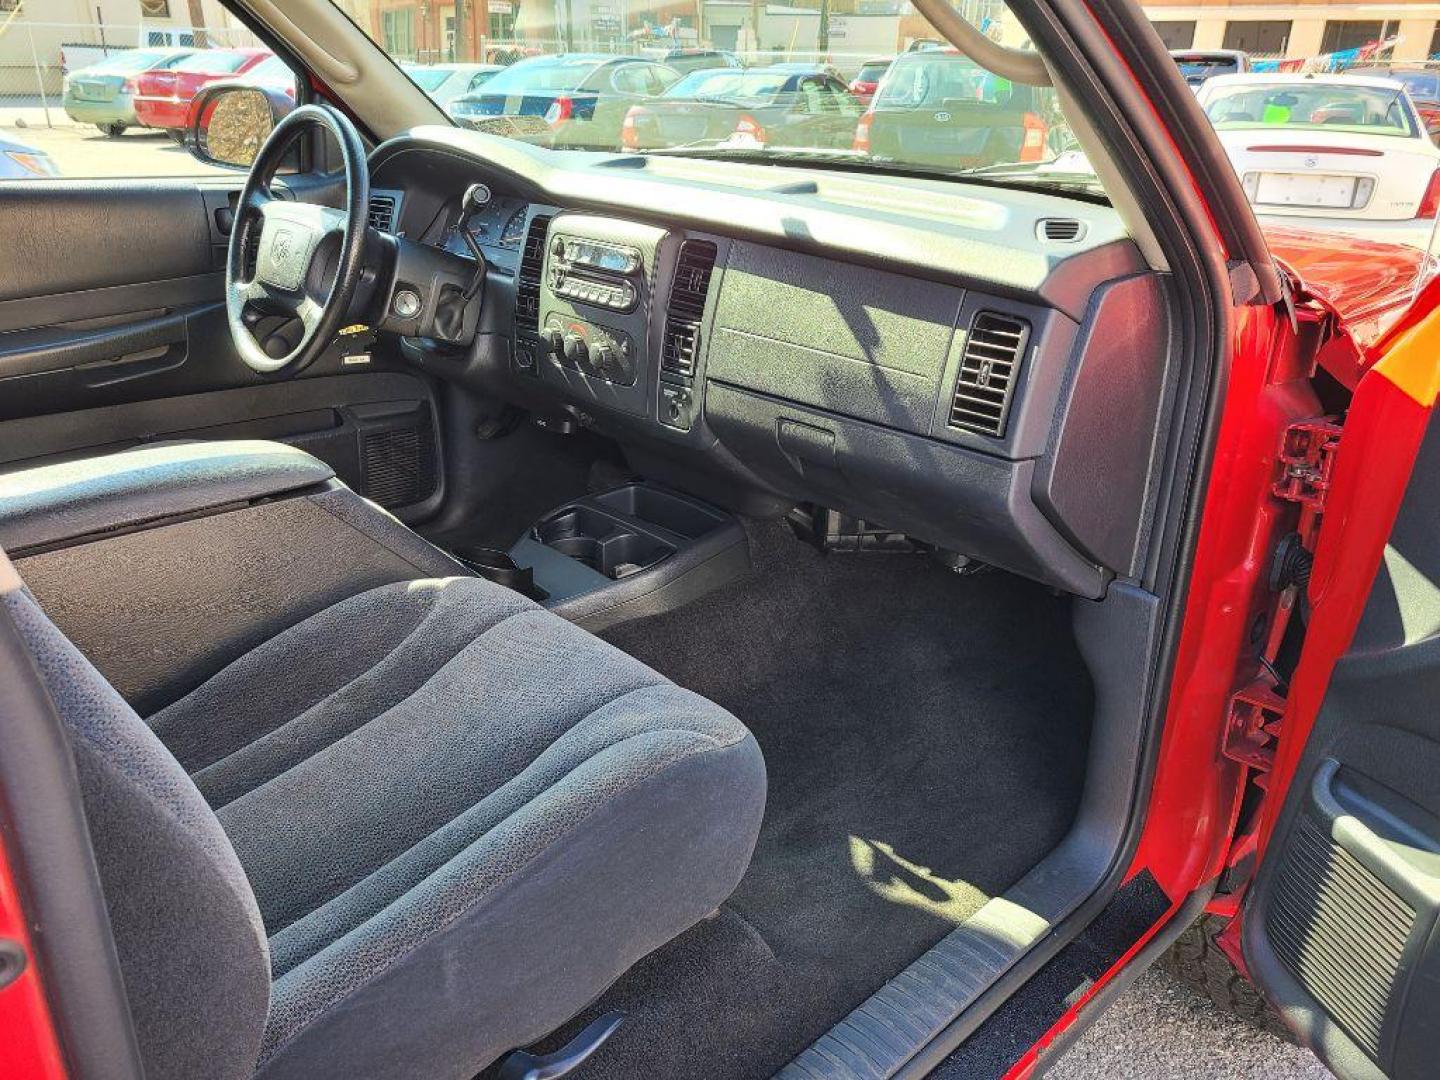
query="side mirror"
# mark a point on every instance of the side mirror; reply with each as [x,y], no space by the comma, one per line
[229,124]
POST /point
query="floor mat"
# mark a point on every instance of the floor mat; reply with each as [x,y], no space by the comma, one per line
[925,737]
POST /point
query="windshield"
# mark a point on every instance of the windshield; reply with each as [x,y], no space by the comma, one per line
[727,83]
[855,86]
[543,74]
[428,79]
[139,60]
[1309,106]
[216,62]
[1200,68]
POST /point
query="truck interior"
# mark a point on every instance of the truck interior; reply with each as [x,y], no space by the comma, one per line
[730,594]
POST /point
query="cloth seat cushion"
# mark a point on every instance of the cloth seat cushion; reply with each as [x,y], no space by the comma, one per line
[462,817]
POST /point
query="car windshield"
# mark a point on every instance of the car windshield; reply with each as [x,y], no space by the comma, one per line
[609,77]
[543,74]
[1200,68]
[729,83]
[1303,105]
[213,62]
[428,79]
[139,60]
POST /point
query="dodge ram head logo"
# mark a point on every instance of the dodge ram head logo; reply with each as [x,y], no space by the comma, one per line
[282,248]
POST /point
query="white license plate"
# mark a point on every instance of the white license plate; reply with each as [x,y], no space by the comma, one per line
[1305,189]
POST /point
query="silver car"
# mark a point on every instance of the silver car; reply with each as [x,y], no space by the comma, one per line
[21,161]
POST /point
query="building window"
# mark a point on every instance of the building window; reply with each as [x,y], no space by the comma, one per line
[1342,34]
[155,9]
[1261,37]
[1176,35]
[397,28]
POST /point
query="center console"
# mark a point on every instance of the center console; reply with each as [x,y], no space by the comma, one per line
[635,551]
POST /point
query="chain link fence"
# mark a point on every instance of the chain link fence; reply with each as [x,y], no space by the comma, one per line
[36,57]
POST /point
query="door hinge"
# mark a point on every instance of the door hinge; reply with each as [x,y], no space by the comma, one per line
[1307,460]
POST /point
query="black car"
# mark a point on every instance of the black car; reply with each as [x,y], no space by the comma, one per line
[938,107]
[575,100]
[747,108]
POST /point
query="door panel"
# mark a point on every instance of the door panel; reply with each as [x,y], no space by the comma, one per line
[1340,929]
[113,332]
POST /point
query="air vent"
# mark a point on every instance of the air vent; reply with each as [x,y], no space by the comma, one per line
[686,308]
[382,211]
[1061,230]
[527,284]
[1340,931]
[988,368]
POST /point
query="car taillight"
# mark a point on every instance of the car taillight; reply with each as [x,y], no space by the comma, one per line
[748,129]
[1430,201]
[629,127]
[862,133]
[1032,146]
[861,87]
[560,110]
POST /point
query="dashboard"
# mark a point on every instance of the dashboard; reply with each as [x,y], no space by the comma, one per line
[980,368]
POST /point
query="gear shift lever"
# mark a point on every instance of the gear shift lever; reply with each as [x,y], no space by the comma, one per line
[476,198]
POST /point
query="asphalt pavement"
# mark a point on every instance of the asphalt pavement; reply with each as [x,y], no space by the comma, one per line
[1163,1030]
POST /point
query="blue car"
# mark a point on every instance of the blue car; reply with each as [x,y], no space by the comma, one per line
[21,161]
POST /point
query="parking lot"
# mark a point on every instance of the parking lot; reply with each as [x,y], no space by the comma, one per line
[82,151]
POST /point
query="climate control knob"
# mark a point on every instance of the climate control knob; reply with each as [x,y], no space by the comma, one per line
[576,351]
[602,357]
[555,340]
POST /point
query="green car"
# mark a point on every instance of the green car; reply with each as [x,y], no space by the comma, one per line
[102,94]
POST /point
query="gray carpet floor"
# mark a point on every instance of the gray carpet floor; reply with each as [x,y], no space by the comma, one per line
[925,737]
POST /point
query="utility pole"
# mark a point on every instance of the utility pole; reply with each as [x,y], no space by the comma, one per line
[197,23]
[461,44]
[822,33]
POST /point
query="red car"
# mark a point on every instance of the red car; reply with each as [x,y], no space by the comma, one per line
[867,79]
[162,97]
[723,611]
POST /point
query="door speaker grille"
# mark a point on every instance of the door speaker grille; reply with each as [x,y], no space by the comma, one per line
[399,462]
[1340,931]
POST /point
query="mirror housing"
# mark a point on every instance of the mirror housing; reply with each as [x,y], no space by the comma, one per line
[229,122]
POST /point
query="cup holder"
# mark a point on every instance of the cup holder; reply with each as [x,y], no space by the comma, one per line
[602,543]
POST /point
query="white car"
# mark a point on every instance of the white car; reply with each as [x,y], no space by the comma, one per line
[446,82]
[1334,153]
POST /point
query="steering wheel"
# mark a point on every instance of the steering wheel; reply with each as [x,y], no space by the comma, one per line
[297,261]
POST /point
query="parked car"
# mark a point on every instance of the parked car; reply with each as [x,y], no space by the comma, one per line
[1422,84]
[446,82]
[1338,153]
[805,67]
[753,108]
[688,60]
[867,79]
[575,100]
[1198,65]
[938,107]
[162,98]
[103,94]
[21,161]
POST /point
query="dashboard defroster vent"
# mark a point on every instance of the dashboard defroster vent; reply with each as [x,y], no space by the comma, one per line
[1061,230]
[382,211]
[686,308]
[527,282]
[988,368]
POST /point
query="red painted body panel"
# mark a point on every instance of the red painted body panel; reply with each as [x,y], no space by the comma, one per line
[28,1047]
[163,97]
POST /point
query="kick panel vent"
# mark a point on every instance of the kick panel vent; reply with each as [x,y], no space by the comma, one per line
[1340,931]
[988,368]
[527,283]
[686,309]
[1061,230]
[382,211]
[399,462]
